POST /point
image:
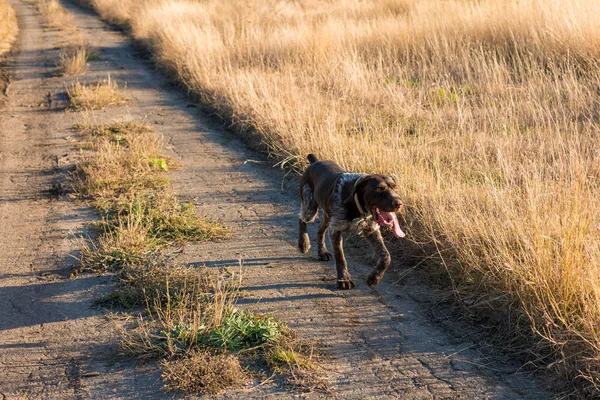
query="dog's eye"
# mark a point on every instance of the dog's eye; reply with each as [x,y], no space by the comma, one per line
[379,189]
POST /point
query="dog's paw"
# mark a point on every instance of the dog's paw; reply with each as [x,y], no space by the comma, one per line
[345,284]
[373,280]
[304,243]
[325,256]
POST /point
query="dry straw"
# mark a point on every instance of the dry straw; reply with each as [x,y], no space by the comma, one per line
[8,27]
[486,112]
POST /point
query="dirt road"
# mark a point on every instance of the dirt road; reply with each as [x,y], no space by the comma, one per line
[388,343]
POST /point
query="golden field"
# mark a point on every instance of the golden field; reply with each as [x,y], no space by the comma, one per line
[487,113]
[8,26]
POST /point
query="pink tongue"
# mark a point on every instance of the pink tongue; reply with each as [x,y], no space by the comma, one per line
[394,222]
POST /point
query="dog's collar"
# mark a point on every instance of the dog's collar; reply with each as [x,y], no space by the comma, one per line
[360,209]
[356,201]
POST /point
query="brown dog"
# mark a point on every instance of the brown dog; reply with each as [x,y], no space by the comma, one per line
[351,203]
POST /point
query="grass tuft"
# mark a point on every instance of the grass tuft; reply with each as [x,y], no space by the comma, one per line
[95,97]
[119,165]
[203,371]
[74,61]
[145,284]
[56,16]
[192,311]
[238,330]
[125,241]
[125,181]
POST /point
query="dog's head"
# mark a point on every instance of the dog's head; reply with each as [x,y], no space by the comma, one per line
[376,194]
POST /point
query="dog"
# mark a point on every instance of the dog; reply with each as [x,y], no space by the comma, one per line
[351,203]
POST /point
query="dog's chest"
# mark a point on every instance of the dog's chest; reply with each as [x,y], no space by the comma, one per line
[339,220]
[362,226]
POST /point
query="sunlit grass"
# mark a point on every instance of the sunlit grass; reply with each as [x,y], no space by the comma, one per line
[56,16]
[74,61]
[486,113]
[8,27]
[190,321]
[94,97]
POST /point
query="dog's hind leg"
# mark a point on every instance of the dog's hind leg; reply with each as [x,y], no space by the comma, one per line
[383,257]
[308,213]
[344,280]
[323,254]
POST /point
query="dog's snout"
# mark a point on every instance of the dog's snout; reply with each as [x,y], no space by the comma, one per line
[397,203]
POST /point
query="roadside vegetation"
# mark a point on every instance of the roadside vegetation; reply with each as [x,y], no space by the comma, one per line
[125,176]
[8,27]
[75,56]
[56,16]
[95,97]
[189,321]
[184,317]
[74,60]
[486,112]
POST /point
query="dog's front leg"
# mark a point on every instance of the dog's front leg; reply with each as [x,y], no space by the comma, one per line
[344,280]
[383,257]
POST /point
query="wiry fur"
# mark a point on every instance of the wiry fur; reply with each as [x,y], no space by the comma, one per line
[325,185]
[309,208]
[338,212]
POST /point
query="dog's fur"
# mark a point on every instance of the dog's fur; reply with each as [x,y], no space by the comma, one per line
[325,185]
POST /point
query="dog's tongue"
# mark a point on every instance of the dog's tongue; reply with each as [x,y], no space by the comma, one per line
[390,217]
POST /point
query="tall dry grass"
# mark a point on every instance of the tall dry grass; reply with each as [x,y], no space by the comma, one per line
[8,27]
[487,113]
[56,16]
[74,60]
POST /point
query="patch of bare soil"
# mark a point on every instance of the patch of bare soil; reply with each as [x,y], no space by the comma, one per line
[52,339]
[392,342]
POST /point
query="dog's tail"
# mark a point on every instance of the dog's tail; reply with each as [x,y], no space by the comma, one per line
[312,158]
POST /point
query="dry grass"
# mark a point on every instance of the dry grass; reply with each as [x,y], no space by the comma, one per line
[190,321]
[192,324]
[74,61]
[203,371]
[8,27]
[56,16]
[122,161]
[124,174]
[95,97]
[486,112]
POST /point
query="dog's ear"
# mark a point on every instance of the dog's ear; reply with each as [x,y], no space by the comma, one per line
[395,183]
